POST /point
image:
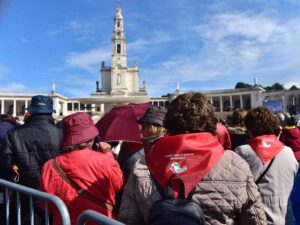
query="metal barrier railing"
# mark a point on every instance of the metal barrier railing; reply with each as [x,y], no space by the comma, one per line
[93,216]
[60,205]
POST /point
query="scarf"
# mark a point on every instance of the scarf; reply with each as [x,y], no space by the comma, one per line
[266,147]
[191,156]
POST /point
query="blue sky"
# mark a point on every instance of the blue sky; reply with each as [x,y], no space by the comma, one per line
[203,45]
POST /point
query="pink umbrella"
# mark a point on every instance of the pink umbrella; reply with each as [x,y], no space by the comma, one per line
[120,123]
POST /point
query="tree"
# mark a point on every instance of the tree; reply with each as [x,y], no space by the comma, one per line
[167,95]
[293,88]
[242,85]
[268,88]
[274,87]
[277,87]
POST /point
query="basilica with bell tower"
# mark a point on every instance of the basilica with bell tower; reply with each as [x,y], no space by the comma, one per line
[119,79]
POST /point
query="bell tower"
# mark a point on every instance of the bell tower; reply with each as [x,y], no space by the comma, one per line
[119,79]
[119,58]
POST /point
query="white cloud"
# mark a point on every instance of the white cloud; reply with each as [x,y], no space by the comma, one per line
[235,46]
[254,27]
[82,31]
[157,37]
[89,60]
[13,87]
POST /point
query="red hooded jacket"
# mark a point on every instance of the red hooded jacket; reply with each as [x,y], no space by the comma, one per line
[291,137]
[96,172]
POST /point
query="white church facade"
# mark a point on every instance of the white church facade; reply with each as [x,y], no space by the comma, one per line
[120,85]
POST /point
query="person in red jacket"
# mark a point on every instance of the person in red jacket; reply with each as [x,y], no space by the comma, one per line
[223,136]
[290,136]
[96,172]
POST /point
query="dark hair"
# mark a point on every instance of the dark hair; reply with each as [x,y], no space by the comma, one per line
[66,149]
[291,121]
[190,113]
[237,118]
[8,118]
[261,121]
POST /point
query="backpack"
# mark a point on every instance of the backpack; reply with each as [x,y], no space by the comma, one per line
[170,211]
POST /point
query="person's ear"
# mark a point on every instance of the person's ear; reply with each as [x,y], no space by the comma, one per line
[26,116]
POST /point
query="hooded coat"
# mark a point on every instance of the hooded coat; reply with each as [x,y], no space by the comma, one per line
[29,146]
[98,173]
[291,137]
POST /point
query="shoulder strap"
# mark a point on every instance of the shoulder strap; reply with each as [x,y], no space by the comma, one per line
[189,197]
[161,191]
[79,189]
[266,170]
[170,192]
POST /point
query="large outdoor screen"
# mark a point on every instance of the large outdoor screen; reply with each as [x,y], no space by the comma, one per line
[274,105]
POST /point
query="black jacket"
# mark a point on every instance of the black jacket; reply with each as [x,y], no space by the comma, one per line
[29,146]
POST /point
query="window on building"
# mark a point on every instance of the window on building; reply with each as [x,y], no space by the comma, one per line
[76,106]
[118,48]
[216,106]
[227,106]
[69,106]
[22,110]
[88,107]
[10,109]
[118,24]
[248,104]
[118,78]
[82,107]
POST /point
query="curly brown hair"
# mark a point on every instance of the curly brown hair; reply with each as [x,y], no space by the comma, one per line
[261,121]
[190,113]
[237,118]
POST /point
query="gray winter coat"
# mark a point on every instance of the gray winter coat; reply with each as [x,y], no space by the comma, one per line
[227,194]
[277,184]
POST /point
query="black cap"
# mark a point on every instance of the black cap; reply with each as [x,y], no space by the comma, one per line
[154,115]
[41,104]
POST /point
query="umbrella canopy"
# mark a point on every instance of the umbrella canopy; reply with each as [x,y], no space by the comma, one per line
[120,123]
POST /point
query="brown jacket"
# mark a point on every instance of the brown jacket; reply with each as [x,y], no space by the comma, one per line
[227,194]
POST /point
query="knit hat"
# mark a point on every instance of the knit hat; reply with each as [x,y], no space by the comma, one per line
[41,104]
[154,115]
[78,128]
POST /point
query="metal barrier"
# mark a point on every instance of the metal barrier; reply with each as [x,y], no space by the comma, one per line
[62,209]
[93,216]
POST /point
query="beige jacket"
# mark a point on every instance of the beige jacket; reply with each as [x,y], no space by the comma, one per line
[277,184]
[227,194]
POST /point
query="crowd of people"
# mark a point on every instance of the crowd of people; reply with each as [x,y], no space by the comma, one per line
[188,166]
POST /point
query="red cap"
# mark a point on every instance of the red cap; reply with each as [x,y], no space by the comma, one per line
[78,128]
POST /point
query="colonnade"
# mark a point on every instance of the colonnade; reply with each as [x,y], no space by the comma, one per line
[14,106]
[230,102]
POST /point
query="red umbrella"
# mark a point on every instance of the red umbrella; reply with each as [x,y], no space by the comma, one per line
[120,123]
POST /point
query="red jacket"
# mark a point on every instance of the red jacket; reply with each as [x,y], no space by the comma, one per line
[223,136]
[96,172]
[291,137]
